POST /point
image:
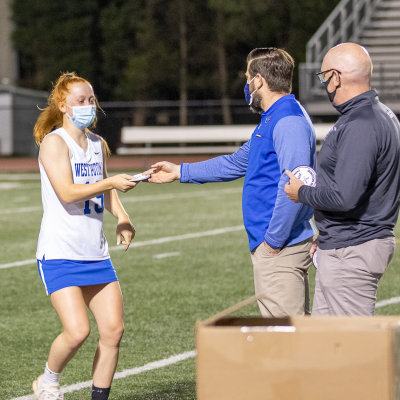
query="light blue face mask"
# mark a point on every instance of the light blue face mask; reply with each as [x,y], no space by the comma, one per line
[83,116]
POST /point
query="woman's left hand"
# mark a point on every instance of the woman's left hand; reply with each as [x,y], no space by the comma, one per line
[125,233]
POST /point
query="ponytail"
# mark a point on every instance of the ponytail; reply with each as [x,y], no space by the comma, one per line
[49,119]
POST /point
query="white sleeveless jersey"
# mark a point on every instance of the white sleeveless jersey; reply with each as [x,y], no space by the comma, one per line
[74,231]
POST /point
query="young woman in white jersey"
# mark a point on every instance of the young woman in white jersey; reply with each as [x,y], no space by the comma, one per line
[73,258]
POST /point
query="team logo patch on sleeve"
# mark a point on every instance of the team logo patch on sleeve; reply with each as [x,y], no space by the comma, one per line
[306,174]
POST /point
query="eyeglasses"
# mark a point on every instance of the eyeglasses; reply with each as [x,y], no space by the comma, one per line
[321,75]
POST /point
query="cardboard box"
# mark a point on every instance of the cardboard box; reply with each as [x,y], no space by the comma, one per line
[310,358]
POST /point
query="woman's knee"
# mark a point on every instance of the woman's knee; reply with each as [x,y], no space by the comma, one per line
[112,333]
[77,335]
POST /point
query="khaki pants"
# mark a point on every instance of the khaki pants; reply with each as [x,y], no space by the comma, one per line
[347,278]
[282,279]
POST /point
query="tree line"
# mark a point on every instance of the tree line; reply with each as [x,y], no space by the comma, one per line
[158,49]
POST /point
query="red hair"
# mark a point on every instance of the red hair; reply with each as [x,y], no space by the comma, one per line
[51,117]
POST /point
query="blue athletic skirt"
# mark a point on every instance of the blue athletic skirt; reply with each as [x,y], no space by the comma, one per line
[58,274]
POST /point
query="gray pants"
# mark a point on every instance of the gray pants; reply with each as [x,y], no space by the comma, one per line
[282,280]
[347,279]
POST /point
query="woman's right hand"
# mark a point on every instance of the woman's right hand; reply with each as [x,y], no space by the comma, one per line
[122,182]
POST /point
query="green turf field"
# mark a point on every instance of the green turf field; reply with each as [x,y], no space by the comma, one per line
[167,286]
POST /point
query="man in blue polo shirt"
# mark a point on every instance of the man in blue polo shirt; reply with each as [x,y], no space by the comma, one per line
[280,232]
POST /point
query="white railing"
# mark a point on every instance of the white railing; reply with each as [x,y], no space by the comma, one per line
[344,24]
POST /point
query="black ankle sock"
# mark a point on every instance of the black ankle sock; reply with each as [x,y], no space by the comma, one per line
[100,393]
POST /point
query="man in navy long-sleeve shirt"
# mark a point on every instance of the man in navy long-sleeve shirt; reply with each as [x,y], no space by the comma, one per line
[279,231]
[356,198]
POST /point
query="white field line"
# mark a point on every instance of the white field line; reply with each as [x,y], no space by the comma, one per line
[125,373]
[13,211]
[387,302]
[17,185]
[133,199]
[17,177]
[18,263]
[166,255]
[165,239]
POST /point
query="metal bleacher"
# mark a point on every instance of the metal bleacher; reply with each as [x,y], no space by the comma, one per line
[374,24]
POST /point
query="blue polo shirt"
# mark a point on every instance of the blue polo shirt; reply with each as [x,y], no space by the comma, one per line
[284,139]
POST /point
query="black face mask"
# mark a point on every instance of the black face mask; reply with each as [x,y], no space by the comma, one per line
[331,95]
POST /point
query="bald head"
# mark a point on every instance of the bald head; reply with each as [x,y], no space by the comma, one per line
[349,72]
[352,60]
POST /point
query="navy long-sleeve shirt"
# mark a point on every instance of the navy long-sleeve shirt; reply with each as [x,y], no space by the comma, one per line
[358,176]
[284,139]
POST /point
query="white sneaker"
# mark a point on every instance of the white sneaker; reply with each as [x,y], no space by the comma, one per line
[46,392]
